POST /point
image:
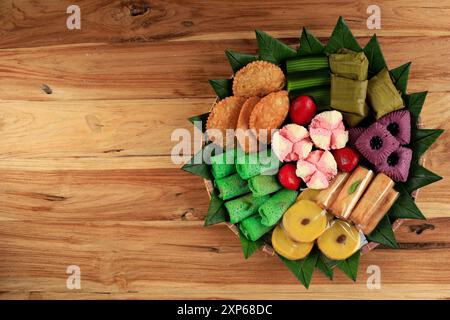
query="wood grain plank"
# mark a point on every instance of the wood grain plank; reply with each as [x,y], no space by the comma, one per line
[125,195]
[237,291]
[94,163]
[101,129]
[173,69]
[27,23]
[111,195]
[432,233]
[135,258]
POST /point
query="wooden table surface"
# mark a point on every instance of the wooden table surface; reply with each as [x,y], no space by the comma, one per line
[86,176]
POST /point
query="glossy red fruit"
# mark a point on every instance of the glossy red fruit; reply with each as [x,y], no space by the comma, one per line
[346,158]
[288,178]
[302,110]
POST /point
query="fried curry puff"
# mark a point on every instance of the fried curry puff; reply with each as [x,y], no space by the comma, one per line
[258,78]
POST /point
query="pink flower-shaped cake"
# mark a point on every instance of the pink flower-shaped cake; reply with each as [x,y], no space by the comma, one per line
[291,143]
[318,169]
[327,130]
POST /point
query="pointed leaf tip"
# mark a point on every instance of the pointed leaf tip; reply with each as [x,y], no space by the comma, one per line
[273,50]
[309,44]
[197,166]
[239,60]
[375,56]
[350,265]
[342,37]
[419,177]
[216,211]
[384,234]
[423,139]
[324,267]
[400,76]
[405,207]
[222,87]
[249,247]
[414,102]
[302,269]
[200,118]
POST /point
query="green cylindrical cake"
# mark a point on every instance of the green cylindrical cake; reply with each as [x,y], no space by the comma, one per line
[274,208]
[249,165]
[222,165]
[263,185]
[243,207]
[231,187]
[252,228]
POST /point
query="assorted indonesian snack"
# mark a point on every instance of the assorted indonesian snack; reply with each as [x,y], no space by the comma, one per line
[315,152]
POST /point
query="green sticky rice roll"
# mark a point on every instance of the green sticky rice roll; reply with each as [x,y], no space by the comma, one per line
[231,187]
[222,165]
[274,208]
[263,185]
[252,228]
[249,165]
[243,207]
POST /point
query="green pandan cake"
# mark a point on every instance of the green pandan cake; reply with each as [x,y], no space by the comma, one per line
[264,185]
[231,187]
[274,208]
[243,207]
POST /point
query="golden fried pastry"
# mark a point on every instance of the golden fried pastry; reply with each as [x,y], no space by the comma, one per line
[258,78]
[269,114]
[224,116]
[246,138]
